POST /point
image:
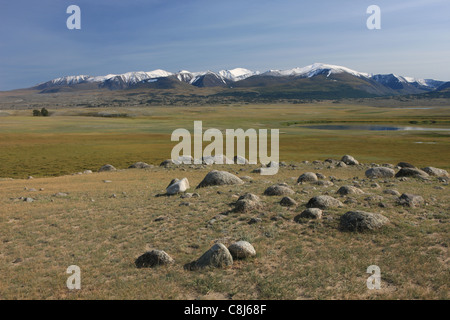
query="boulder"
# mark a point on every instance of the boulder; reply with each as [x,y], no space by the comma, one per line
[218,178]
[288,202]
[380,172]
[410,200]
[178,186]
[240,160]
[278,190]
[392,192]
[153,258]
[247,202]
[307,177]
[310,213]
[411,172]
[140,165]
[347,159]
[242,250]
[345,190]
[324,202]
[361,221]
[436,172]
[216,257]
[405,165]
[106,168]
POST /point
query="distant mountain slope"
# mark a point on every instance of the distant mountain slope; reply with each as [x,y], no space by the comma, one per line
[318,81]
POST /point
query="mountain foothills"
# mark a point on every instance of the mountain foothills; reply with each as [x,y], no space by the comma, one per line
[316,81]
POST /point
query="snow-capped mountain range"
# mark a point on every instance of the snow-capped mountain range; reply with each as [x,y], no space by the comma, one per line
[228,77]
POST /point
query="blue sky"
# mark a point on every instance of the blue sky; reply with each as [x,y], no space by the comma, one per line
[196,35]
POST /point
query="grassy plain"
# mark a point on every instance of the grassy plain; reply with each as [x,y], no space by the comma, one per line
[74,140]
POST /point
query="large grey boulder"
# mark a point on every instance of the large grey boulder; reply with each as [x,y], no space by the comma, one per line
[324,202]
[153,258]
[380,172]
[106,168]
[219,178]
[347,159]
[432,171]
[242,250]
[278,190]
[177,186]
[216,257]
[307,177]
[412,172]
[361,221]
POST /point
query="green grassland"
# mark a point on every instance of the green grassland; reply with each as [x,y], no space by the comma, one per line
[73,140]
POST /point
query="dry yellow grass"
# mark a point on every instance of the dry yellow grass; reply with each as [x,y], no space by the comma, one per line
[104,235]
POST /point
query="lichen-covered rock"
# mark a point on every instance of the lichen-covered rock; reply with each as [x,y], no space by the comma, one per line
[106,168]
[218,178]
[361,221]
[324,202]
[216,257]
[278,190]
[310,213]
[153,258]
[307,177]
[380,172]
[242,250]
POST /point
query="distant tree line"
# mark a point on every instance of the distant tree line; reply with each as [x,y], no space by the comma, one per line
[41,113]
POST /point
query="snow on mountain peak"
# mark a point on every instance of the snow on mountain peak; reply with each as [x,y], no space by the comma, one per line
[237,74]
[314,69]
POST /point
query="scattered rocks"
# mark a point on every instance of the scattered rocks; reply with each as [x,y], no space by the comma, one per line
[310,213]
[218,178]
[412,172]
[307,177]
[107,168]
[288,202]
[345,190]
[410,200]
[380,172]
[347,159]
[216,257]
[324,202]
[177,186]
[242,250]
[28,199]
[361,221]
[140,165]
[153,258]
[278,190]
[436,172]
